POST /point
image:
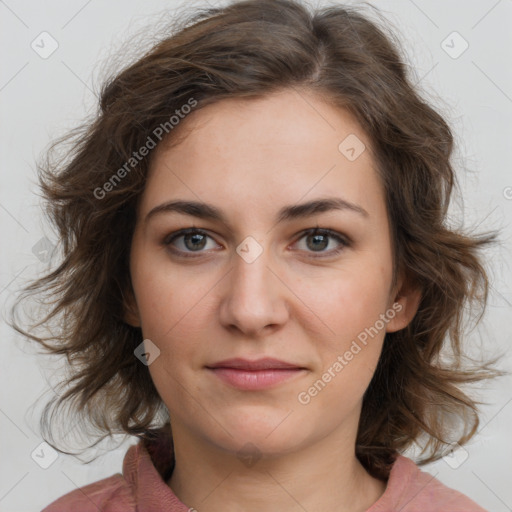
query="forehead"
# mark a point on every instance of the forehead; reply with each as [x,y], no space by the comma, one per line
[280,148]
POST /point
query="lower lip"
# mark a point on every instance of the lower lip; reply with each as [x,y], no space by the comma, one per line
[255,379]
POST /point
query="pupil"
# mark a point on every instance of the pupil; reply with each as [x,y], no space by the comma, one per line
[197,238]
[317,238]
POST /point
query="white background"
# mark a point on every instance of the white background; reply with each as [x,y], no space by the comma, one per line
[42,98]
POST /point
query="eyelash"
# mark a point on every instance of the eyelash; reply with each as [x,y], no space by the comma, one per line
[344,241]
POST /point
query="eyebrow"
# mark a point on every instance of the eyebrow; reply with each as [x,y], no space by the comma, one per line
[287,213]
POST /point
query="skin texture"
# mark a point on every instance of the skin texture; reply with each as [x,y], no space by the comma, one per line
[294,302]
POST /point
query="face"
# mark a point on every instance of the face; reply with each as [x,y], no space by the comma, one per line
[254,282]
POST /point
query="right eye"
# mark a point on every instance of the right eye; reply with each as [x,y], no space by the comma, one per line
[190,240]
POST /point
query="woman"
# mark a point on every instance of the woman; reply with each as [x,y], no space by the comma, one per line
[258,279]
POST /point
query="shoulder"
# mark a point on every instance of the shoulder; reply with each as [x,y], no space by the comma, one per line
[142,484]
[410,489]
[111,494]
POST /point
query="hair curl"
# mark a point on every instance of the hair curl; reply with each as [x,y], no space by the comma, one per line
[246,50]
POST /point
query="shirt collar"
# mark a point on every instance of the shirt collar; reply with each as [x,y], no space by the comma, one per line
[147,466]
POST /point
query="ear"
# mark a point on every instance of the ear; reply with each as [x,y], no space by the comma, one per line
[131,311]
[405,300]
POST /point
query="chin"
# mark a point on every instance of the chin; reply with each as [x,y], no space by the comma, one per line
[270,438]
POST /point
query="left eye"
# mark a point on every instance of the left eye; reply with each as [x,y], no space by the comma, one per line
[195,240]
[318,239]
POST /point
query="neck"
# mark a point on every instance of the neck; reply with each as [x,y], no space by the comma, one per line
[316,477]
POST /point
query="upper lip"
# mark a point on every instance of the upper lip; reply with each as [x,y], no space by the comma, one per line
[265,363]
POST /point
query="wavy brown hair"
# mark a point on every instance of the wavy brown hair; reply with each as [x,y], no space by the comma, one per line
[249,49]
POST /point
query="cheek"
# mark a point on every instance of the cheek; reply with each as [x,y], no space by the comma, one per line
[350,303]
[349,310]
[175,312]
[350,351]
[169,300]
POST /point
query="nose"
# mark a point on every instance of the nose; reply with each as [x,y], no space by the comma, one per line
[254,302]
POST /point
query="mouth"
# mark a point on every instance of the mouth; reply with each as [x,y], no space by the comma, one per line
[266,363]
[255,375]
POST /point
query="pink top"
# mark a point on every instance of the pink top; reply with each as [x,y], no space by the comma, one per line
[146,468]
